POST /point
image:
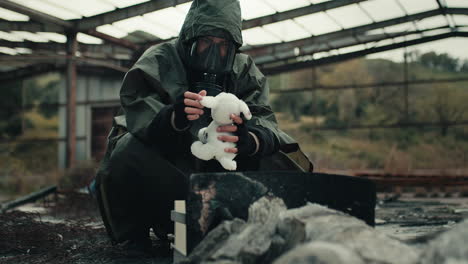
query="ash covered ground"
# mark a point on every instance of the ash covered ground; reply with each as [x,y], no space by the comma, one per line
[68,229]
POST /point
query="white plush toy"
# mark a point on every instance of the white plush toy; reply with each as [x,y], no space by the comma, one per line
[209,146]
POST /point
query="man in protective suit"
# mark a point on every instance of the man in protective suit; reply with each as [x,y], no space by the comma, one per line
[147,167]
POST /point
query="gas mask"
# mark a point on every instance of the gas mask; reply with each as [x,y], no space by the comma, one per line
[210,59]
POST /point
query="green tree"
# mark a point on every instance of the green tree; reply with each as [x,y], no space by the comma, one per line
[447,106]
[464,66]
[443,61]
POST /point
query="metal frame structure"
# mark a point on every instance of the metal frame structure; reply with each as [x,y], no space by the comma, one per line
[121,50]
[118,53]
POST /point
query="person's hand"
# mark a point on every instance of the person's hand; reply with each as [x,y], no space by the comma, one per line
[245,143]
[193,108]
[188,109]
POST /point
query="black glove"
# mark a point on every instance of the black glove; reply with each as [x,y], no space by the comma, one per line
[246,144]
[180,118]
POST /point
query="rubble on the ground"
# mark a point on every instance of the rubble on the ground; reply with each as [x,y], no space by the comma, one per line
[412,230]
[272,231]
[449,247]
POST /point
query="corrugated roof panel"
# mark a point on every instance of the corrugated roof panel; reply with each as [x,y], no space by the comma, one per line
[287,30]
[375,31]
[281,5]
[417,6]
[317,1]
[437,32]
[408,26]
[349,16]
[112,31]
[23,50]
[258,36]
[8,51]
[334,52]
[10,37]
[85,7]
[381,10]
[125,3]
[318,23]
[30,36]
[56,37]
[413,37]
[457,3]
[12,16]
[170,18]
[48,9]
[460,20]
[252,9]
[319,55]
[432,22]
[139,23]
[384,42]
[305,58]
[407,38]
[352,48]
[87,39]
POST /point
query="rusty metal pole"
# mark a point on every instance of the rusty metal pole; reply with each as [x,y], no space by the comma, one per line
[72,46]
[406,83]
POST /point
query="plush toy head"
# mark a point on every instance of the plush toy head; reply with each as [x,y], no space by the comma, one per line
[223,105]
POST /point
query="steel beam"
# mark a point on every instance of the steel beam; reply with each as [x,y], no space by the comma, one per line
[301,11]
[121,42]
[332,59]
[29,26]
[61,59]
[72,45]
[28,71]
[123,13]
[104,50]
[41,68]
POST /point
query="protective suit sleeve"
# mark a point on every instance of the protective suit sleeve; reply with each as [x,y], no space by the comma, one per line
[255,92]
[147,110]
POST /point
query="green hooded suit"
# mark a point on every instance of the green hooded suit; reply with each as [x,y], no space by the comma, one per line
[146,169]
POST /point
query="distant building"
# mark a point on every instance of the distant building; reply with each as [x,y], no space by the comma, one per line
[97,100]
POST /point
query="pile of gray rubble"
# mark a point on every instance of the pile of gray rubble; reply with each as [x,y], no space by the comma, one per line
[316,234]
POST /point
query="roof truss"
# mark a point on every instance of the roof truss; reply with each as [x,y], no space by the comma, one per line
[265,54]
[291,66]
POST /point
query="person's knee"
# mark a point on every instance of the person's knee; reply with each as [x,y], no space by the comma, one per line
[133,160]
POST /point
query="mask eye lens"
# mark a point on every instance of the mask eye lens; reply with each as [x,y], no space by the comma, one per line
[205,41]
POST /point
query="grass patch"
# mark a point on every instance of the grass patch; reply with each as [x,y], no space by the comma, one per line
[393,150]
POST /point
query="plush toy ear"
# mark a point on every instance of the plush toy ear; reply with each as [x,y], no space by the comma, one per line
[209,101]
[245,110]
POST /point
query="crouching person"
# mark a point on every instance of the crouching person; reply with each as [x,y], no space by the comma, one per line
[147,166]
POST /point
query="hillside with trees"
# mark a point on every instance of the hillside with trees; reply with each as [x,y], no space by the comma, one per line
[372,126]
